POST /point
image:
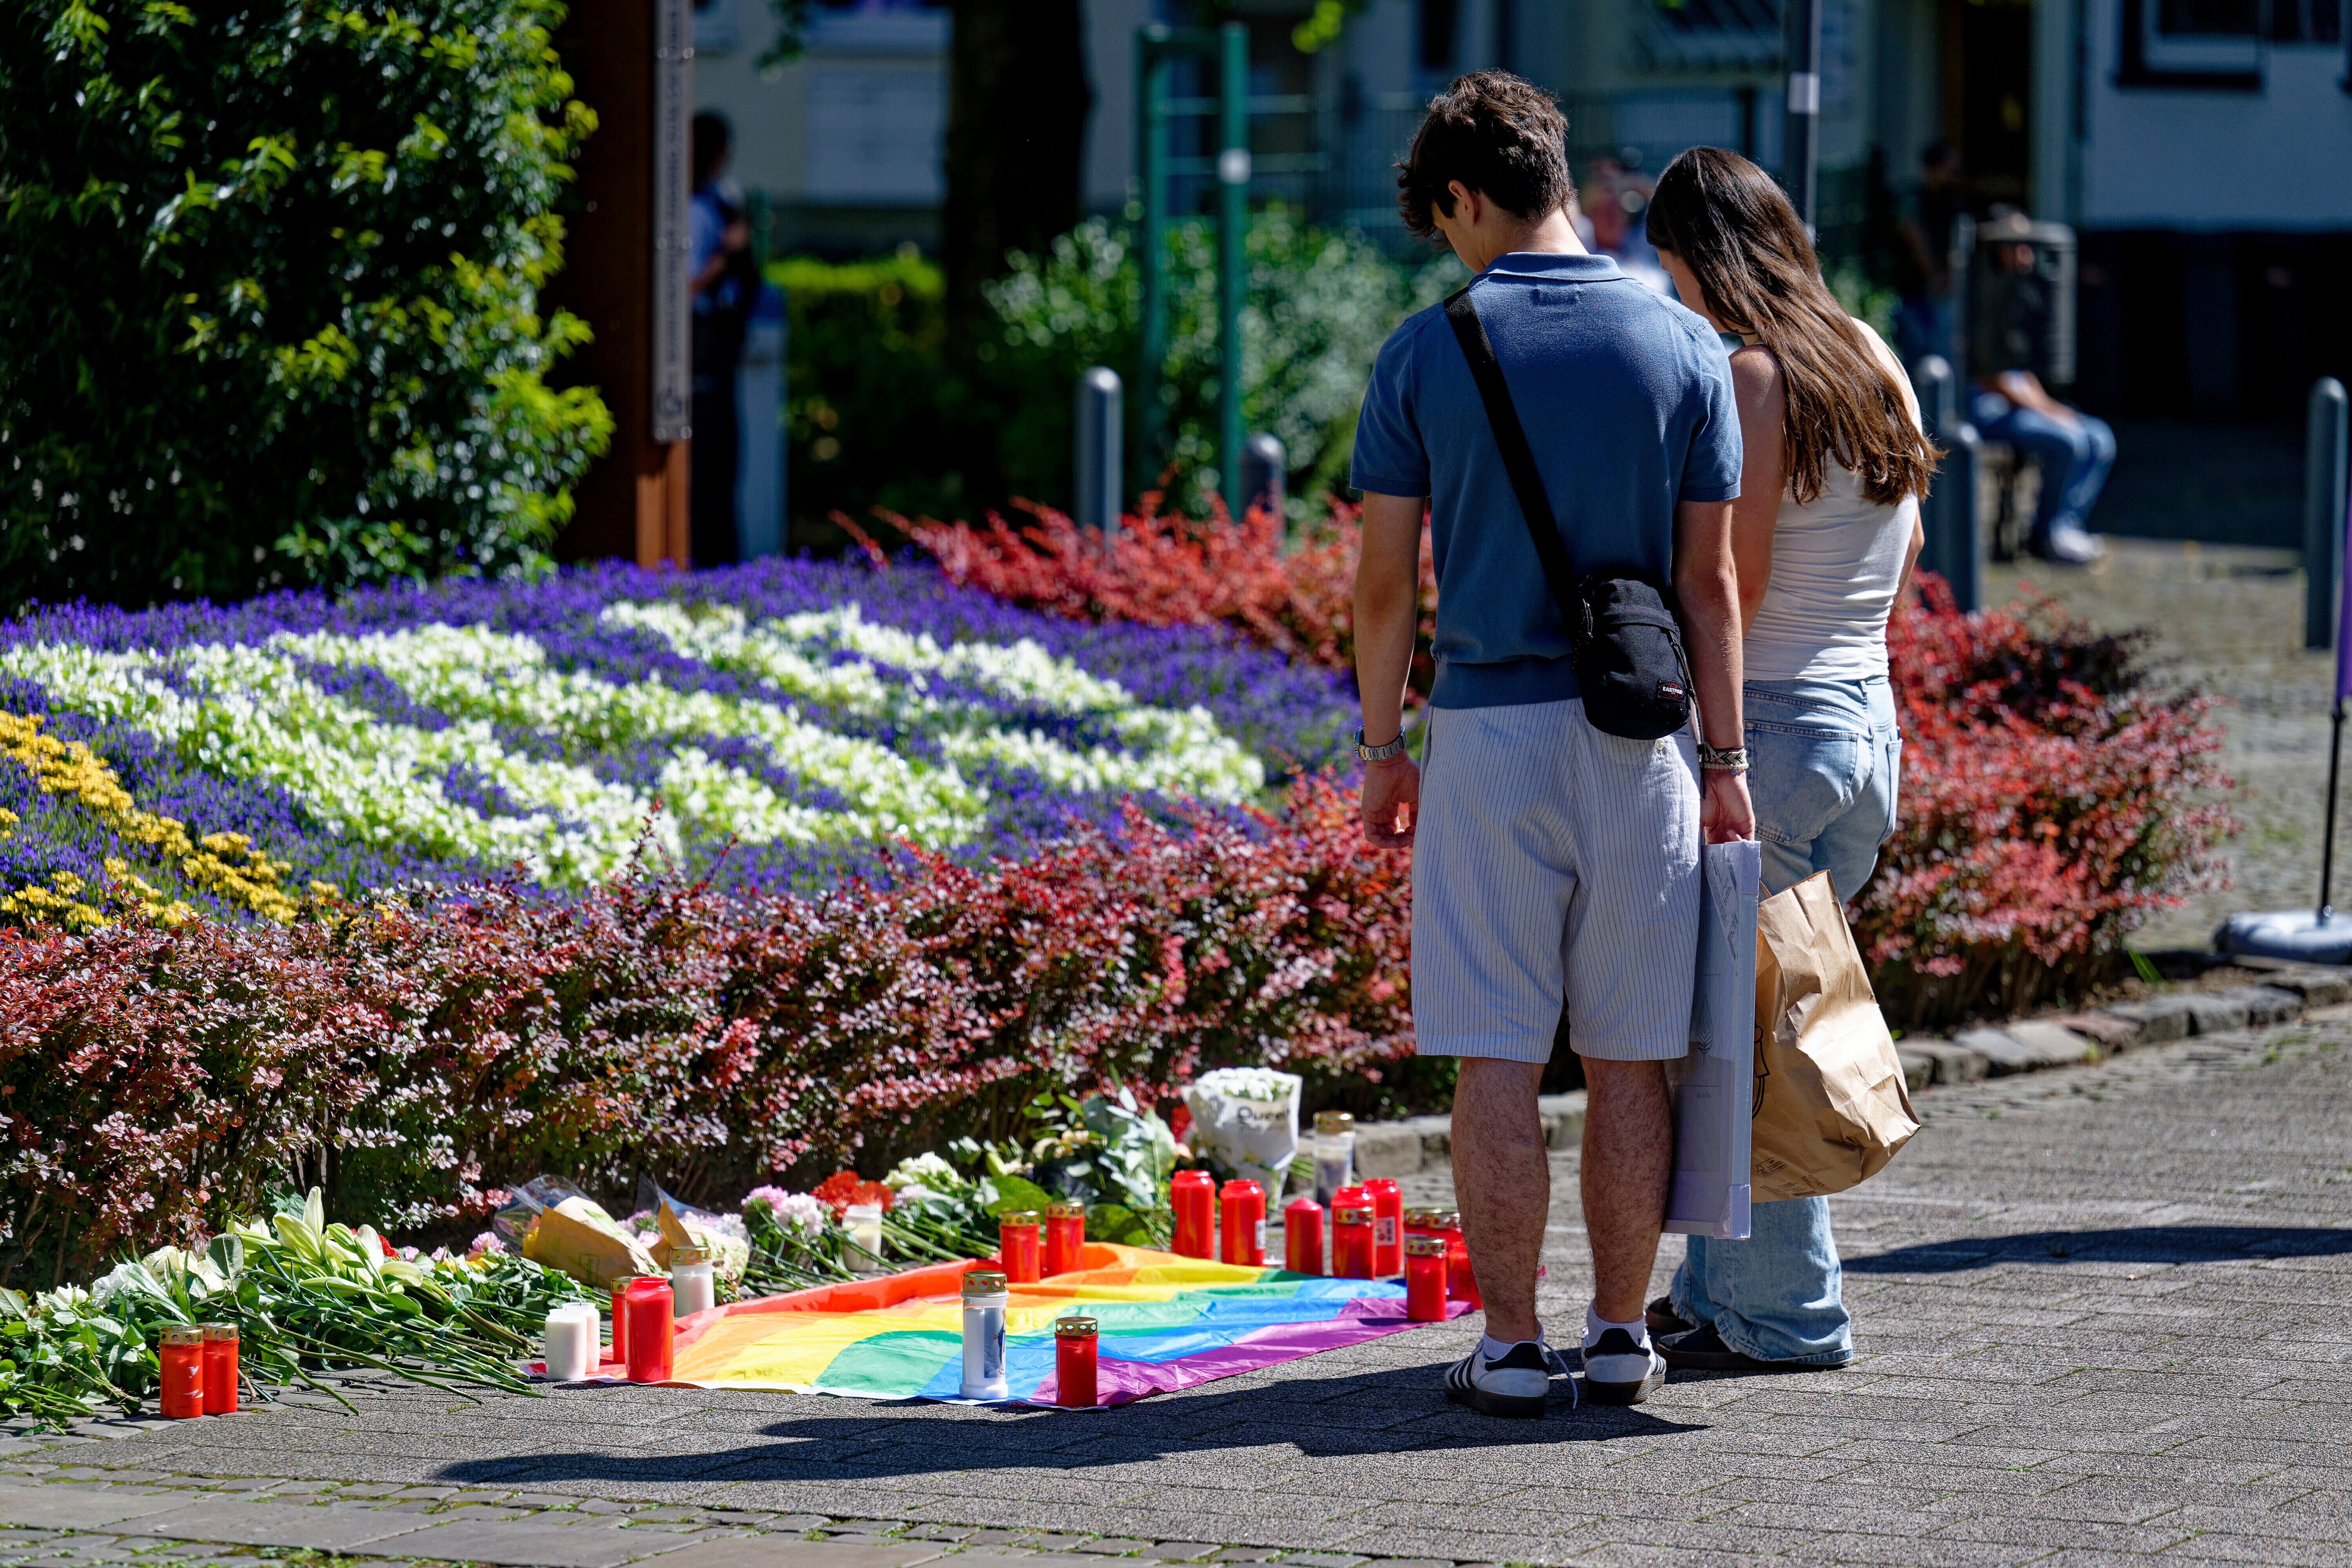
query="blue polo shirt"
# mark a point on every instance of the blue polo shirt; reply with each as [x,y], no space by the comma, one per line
[1626,400]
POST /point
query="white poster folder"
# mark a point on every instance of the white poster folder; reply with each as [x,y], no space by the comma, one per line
[1715,1109]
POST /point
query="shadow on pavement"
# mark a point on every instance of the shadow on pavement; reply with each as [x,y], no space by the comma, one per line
[2149,1244]
[1363,1414]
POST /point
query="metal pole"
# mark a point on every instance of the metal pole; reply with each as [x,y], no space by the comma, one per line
[1095,470]
[1949,514]
[2328,843]
[1232,215]
[1800,173]
[1152,240]
[2326,455]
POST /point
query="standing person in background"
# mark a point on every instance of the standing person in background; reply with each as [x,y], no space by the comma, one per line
[724,282]
[2073,449]
[1923,320]
[1556,866]
[1824,535]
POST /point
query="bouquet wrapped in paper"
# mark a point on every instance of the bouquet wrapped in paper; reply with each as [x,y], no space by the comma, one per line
[1246,1120]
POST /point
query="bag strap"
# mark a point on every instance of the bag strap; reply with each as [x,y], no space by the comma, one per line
[1519,461]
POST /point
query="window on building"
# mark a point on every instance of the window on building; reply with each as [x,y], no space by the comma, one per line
[1678,35]
[2305,21]
[2193,43]
[1441,30]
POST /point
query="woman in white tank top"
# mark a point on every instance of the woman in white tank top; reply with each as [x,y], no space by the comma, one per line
[1824,532]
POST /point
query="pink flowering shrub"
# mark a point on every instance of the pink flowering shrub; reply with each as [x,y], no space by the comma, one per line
[414,1061]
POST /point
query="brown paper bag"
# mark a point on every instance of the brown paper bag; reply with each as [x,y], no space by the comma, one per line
[1831,1105]
[576,1242]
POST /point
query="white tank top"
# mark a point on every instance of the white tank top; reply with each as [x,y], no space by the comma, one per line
[1836,562]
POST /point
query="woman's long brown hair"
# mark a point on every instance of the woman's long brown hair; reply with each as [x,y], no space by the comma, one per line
[1730,223]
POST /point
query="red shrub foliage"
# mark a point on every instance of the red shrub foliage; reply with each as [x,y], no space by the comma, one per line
[1296,597]
[414,1060]
[2050,804]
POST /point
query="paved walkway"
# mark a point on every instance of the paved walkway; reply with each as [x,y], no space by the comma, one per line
[2227,620]
[2103,1314]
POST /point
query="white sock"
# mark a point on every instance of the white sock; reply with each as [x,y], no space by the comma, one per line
[1493,1349]
[1595,1325]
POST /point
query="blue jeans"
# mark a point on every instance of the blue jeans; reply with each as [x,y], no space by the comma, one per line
[1825,759]
[2074,458]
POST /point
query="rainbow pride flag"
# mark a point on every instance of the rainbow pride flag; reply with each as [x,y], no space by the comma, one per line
[1168,1323]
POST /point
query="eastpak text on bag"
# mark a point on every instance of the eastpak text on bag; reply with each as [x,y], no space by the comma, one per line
[1624,641]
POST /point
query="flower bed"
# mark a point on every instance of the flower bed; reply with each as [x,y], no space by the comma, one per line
[804,714]
[413,1059]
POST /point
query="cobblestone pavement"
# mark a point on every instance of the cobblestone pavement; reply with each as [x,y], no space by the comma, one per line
[2103,1315]
[2229,620]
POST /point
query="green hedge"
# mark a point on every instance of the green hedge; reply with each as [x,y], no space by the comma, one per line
[268,294]
[881,415]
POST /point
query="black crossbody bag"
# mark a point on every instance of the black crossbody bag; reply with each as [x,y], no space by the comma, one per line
[1624,640]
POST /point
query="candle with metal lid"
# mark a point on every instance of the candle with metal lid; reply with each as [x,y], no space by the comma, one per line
[1193,1196]
[1020,1245]
[1424,1279]
[220,1369]
[1076,1342]
[182,1395]
[985,1298]
[1388,1225]
[1242,1217]
[1334,1153]
[1351,1242]
[1065,1237]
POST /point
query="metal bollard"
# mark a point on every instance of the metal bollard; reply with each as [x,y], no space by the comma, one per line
[1265,473]
[2326,455]
[1096,468]
[1949,514]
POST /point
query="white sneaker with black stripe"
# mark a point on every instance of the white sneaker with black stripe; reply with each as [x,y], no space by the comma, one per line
[1511,1385]
[1622,1370]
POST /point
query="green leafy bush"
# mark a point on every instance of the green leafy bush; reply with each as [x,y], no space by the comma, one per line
[881,417]
[268,294]
[871,410]
[1318,308]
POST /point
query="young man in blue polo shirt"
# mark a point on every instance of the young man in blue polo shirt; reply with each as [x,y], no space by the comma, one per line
[1554,865]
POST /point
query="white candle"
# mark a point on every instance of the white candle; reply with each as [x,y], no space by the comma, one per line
[571,1350]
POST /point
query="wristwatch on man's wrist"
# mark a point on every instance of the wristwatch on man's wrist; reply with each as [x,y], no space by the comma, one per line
[1722,759]
[1379,754]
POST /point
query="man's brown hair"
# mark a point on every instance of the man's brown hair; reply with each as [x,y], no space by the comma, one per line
[1502,137]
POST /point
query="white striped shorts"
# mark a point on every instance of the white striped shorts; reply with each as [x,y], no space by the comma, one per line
[1552,864]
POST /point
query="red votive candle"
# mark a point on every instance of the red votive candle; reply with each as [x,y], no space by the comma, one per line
[220,1369]
[183,1355]
[1077,1344]
[1417,1223]
[1460,1279]
[1351,1242]
[1065,1237]
[1424,1280]
[1302,1235]
[620,1351]
[1193,1196]
[1388,1227]
[1018,1243]
[1242,1210]
[1353,1197]
[653,1330]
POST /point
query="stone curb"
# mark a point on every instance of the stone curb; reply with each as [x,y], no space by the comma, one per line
[1417,1143]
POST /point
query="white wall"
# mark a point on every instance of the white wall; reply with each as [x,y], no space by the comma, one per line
[2278,159]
